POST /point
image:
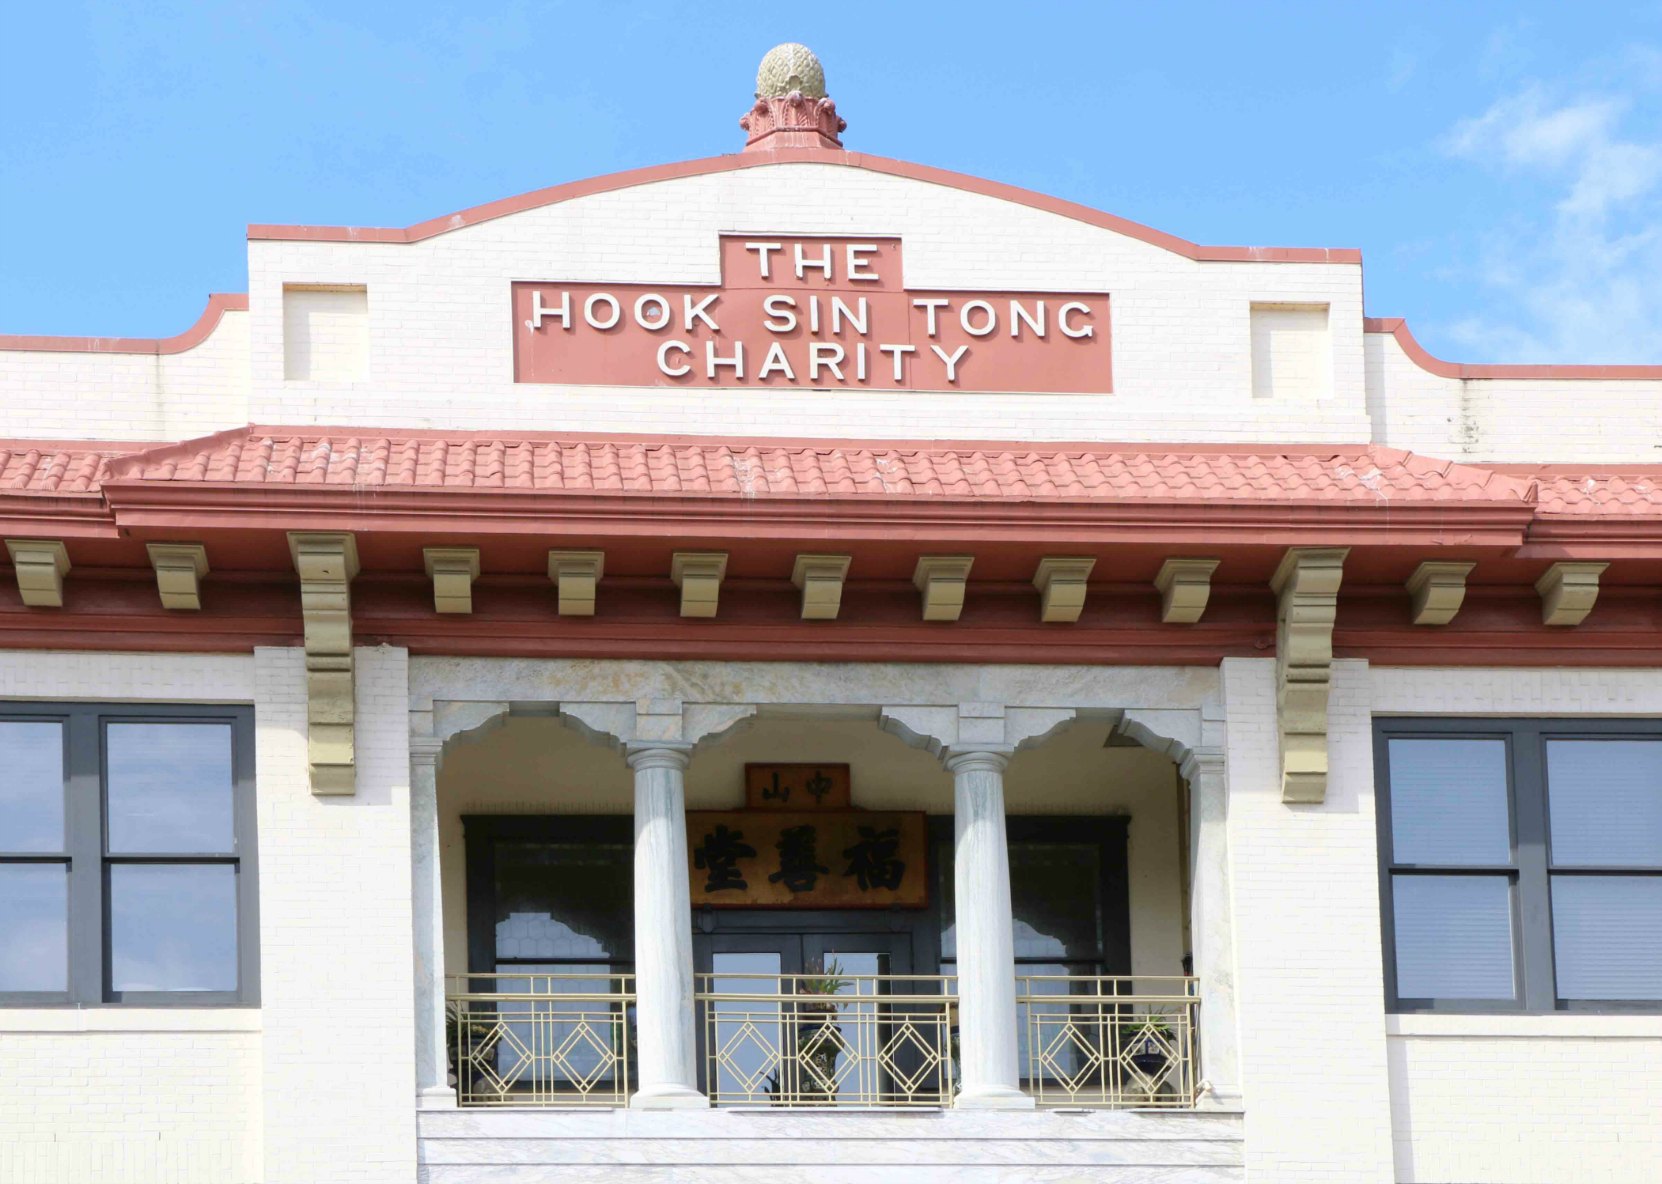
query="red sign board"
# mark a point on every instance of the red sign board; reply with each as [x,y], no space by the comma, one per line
[813,313]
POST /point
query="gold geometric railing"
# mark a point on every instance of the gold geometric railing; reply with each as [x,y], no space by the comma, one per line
[1125,1042]
[829,1039]
[534,1039]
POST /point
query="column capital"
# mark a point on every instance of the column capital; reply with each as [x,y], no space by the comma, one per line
[1202,762]
[987,758]
[657,754]
[425,750]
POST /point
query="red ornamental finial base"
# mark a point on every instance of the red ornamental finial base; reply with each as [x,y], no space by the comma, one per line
[792,122]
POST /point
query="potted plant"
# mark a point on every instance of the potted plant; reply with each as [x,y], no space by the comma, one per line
[819,1038]
[1148,1040]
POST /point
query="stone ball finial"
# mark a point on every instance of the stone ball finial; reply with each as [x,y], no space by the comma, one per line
[787,68]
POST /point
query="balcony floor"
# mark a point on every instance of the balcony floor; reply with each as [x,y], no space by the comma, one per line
[518,1146]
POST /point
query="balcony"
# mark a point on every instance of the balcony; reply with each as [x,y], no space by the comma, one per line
[823,1041]
[540,1039]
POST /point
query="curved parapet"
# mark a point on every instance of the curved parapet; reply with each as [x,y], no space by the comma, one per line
[821,156]
[1397,328]
[219,303]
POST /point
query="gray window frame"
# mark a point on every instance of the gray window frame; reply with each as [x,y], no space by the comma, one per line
[1530,868]
[86,851]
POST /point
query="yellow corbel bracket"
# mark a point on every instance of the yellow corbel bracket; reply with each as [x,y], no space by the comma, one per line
[1306,586]
[327,563]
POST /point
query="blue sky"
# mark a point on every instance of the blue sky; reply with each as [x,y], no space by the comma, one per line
[1499,164]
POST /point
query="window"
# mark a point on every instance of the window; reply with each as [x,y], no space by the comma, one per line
[1068,899]
[1521,865]
[548,896]
[1070,911]
[126,855]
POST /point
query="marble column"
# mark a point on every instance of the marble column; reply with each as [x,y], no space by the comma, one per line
[1211,930]
[991,1078]
[664,1018]
[433,1090]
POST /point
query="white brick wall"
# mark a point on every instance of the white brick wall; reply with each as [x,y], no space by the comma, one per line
[336,972]
[1518,1099]
[123,1096]
[1527,1098]
[170,1103]
[74,396]
[1306,911]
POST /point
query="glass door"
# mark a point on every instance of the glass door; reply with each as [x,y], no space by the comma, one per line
[813,1019]
[744,1020]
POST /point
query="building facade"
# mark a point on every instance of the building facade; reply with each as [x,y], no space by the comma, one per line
[798,664]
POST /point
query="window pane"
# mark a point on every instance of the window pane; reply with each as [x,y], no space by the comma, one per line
[1448,802]
[1056,899]
[31,786]
[1454,937]
[946,886]
[1055,896]
[173,927]
[1607,936]
[565,900]
[34,927]
[169,788]
[1604,798]
[570,1036]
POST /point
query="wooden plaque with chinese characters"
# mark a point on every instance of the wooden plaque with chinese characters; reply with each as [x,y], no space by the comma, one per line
[796,787]
[809,859]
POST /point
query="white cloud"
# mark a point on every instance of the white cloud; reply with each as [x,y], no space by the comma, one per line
[1579,280]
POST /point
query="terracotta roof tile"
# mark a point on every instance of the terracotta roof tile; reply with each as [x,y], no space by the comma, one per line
[46,469]
[1351,473]
[1603,494]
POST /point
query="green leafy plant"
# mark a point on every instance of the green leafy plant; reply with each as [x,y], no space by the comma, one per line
[826,980]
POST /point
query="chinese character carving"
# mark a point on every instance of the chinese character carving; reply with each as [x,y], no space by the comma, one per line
[872,860]
[818,786]
[719,855]
[799,867]
[776,792]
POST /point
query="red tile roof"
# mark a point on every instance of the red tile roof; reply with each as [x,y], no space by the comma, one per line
[1349,474]
[714,468]
[44,468]
[1600,494]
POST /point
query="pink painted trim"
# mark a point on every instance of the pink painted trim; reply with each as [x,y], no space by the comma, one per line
[1398,328]
[877,164]
[219,304]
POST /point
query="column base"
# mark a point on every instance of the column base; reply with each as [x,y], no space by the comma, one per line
[436,1097]
[992,1097]
[668,1097]
[1225,1098]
